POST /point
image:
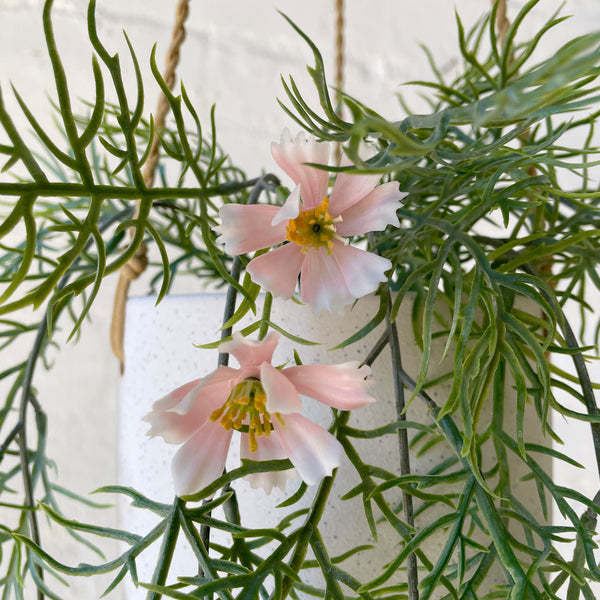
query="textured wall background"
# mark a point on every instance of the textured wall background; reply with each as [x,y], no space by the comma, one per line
[234,55]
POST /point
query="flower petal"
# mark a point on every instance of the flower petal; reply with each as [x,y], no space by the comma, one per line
[342,386]
[350,189]
[269,448]
[201,459]
[277,271]
[313,450]
[178,423]
[220,379]
[172,399]
[290,209]
[290,156]
[362,271]
[173,428]
[322,284]
[374,212]
[248,228]
[282,396]
[249,352]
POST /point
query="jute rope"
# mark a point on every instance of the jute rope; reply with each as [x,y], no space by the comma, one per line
[136,265]
[502,22]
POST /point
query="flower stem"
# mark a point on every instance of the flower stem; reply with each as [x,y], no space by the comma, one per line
[307,531]
[167,549]
[407,503]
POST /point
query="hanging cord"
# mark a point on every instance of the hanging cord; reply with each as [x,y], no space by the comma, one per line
[137,264]
[339,67]
[502,22]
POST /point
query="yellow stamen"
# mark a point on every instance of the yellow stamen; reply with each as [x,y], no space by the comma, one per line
[245,410]
[314,228]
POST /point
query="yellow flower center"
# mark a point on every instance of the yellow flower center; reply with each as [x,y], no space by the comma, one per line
[245,410]
[313,228]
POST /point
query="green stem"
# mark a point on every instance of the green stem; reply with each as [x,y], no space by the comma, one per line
[46,189]
[307,531]
[199,550]
[62,90]
[588,521]
[167,549]
[407,503]
[20,150]
[334,590]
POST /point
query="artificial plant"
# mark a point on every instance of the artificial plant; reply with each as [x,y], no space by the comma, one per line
[488,221]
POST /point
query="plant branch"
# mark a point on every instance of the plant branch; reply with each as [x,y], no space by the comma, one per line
[588,520]
[27,396]
[489,512]
[579,362]
[407,503]
[306,531]
[52,189]
[167,549]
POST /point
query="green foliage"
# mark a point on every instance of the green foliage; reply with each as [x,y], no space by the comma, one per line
[492,247]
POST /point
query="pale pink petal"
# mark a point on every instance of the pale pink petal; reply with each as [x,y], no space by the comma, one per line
[282,396]
[203,405]
[277,270]
[342,386]
[362,271]
[269,448]
[290,209]
[348,190]
[175,428]
[248,228]
[218,380]
[313,450]
[374,212]
[180,422]
[291,155]
[251,353]
[165,423]
[201,459]
[322,284]
[173,398]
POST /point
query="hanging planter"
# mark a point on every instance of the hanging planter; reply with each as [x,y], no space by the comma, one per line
[160,357]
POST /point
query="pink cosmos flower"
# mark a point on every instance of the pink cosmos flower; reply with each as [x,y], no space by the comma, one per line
[316,227]
[264,404]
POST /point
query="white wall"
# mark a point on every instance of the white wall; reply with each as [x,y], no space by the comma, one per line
[234,55]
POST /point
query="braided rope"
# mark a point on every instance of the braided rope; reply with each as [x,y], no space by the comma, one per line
[169,75]
[136,265]
[502,22]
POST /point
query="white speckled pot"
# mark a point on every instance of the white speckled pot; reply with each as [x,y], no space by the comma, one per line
[160,355]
